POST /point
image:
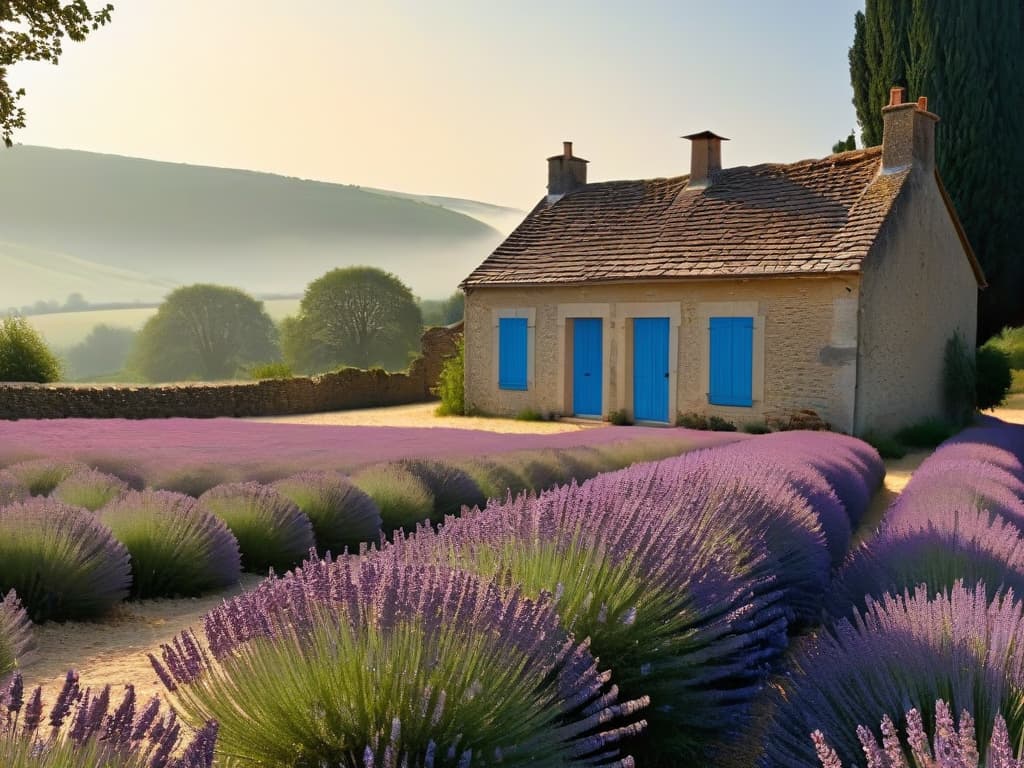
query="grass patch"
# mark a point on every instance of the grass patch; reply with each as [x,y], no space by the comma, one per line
[1017,381]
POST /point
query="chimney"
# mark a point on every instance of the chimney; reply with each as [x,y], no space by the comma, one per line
[705,158]
[566,172]
[908,134]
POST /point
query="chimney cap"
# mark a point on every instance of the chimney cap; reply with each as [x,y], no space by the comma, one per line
[567,153]
[704,135]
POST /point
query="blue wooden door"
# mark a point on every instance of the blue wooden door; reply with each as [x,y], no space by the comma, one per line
[650,369]
[587,376]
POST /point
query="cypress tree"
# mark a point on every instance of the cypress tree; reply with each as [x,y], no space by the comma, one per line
[968,59]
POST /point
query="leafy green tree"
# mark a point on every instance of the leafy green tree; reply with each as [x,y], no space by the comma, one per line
[359,316]
[969,62]
[104,351]
[443,311]
[845,145]
[992,367]
[24,355]
[36,30]
[204,331]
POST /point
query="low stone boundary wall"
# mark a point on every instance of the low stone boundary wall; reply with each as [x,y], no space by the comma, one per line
[346,389]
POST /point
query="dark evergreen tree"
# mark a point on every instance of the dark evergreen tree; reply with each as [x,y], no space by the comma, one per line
[968,59]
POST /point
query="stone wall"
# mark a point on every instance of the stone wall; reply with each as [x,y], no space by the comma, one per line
[346,389]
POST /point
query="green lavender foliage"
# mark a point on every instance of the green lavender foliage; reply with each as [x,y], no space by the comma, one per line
[404,499]
[966,60]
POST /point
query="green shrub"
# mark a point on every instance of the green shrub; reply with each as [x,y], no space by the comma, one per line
[756,428]
[89,489]
[495,478]
[925,434]
[451,387]
[993,377]
[24,355]
[1017,382]
[403,499]
[620,418]
[529,414]
[718,424]
[692,420]
[270,371]
[1010,341]
[192,481]
[959,381]
[887,446]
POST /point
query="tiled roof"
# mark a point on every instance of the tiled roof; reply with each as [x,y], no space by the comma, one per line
[810,217]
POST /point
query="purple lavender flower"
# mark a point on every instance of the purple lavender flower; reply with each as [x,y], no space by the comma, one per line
[41,476]
[271,531]
[177,548]
[938,547]
[903,652]
[342,515]
[63,563]
[95,734]
[349,630]
[950,747]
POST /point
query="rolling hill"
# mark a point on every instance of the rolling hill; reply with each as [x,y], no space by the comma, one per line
[122,229]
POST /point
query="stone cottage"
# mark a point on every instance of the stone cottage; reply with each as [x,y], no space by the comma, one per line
[748,292]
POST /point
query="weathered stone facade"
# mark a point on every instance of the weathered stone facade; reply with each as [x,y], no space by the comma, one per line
[805,344]
[345,389]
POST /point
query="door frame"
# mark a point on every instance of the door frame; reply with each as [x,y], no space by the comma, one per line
[624,337]
[571,311]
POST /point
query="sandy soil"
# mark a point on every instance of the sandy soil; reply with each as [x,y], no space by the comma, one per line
[115,651]
[422,415]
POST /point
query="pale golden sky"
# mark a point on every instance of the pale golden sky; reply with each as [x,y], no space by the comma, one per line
[450,97]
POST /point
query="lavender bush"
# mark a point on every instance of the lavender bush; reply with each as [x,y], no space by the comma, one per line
[451,487]
[11,489]
[271,531]
[89,489]
[936,548]
[852,467]
[85,729]
[951,746]
[402,498]
[176,547]
[63,562]
[809,483]
[657,581]
[41,476]
[343,516]
[392,664]
[189,479]
[903,652]
[15,633]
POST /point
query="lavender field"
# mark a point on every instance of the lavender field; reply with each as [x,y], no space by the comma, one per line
[606,597]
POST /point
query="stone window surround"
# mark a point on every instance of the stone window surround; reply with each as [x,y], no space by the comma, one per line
[707,310]
[571,311]
[530,313]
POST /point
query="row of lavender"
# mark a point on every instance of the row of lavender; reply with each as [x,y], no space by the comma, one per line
[640,611]
[75,541]
[926,623]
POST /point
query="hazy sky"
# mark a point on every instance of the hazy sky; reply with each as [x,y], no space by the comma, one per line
[450,97]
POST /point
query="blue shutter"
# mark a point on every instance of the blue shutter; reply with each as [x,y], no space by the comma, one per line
[512,352]
[732,361]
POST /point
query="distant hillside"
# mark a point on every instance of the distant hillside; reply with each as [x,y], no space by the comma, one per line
[122,229]
[501,217]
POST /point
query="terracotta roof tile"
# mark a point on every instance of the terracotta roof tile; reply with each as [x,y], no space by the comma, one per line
[815,216]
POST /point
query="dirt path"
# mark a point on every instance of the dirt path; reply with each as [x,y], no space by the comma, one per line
[422,415]
[115,651]
[897,475]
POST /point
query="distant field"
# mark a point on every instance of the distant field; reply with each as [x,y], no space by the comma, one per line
[65,329]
